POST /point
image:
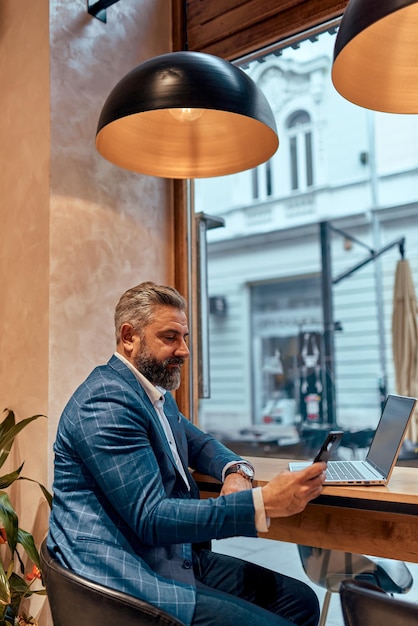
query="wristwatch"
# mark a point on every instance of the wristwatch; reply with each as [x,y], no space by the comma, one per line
[241,468]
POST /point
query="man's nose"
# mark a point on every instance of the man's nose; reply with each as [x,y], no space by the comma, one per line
[183,350]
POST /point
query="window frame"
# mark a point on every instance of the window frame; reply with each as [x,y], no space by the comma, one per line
[229,29]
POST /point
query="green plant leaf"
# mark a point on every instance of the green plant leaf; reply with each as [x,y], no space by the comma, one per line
[47,494]
[14,587]
[9,434]
[7,479]
[27,542]
[6,425]
[8,422]
[8,517]
[19,589]
[5,596]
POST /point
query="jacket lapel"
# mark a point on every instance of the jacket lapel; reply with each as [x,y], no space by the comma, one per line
[116,364]
[174,419]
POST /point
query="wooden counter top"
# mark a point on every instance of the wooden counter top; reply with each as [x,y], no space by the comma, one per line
[375,520]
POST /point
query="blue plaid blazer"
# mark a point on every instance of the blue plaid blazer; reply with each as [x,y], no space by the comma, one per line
[122,515]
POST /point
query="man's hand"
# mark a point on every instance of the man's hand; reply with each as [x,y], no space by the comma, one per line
[289,492]
[235,482]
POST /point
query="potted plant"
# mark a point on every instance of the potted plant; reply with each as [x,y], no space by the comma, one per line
[16,583]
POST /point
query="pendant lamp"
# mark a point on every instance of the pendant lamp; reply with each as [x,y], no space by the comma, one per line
[376,55]
[186,115]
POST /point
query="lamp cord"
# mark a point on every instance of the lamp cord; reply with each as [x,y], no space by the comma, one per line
[185,41]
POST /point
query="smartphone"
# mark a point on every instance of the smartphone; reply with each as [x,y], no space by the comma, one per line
[331,443]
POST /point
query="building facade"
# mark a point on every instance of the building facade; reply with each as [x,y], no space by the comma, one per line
[351,169]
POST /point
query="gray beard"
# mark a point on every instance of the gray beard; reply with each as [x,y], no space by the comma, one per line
[157,371]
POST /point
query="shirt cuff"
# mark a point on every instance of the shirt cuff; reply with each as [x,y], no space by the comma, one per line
[262,522]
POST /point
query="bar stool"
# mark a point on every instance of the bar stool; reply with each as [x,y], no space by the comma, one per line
[328,568]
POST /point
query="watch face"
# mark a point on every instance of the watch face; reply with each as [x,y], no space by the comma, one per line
[244,469]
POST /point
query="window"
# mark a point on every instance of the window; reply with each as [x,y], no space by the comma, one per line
[262,181]
[334,167]
[300,143]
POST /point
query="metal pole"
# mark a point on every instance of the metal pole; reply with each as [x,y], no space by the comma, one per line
[377,266]
[328,321]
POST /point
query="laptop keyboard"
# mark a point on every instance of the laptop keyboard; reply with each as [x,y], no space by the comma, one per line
[342,470]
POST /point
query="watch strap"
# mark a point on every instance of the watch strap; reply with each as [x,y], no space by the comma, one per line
[241,467]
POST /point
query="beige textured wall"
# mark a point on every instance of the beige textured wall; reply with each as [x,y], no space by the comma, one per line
[76,230]
[109,228]
[24,222]
[24,205]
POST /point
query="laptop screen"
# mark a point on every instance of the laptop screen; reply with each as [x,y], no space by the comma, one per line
[390,432]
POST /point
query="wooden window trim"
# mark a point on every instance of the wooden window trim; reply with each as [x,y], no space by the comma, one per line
[234,28]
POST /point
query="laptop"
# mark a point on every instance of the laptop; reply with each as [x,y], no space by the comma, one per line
[383,453]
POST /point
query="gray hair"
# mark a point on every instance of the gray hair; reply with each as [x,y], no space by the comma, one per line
[136,306]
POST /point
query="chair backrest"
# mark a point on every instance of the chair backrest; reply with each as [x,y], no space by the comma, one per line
[76,601]
[364,604]
[328,568]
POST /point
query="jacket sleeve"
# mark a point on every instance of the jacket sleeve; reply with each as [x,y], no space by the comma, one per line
[126,463]
[201,450]
[207,454]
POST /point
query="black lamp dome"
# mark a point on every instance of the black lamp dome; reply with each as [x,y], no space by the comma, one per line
[376,55]
[186,115]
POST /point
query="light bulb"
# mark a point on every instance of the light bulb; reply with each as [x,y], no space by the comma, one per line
[186,114]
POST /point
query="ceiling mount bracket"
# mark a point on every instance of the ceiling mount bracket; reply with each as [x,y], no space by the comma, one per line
[97,8]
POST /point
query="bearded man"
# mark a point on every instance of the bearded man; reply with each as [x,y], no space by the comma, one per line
[126,510]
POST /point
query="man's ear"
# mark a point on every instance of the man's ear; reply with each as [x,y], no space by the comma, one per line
[128,335]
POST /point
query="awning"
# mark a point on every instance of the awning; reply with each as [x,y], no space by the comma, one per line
[405,339]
